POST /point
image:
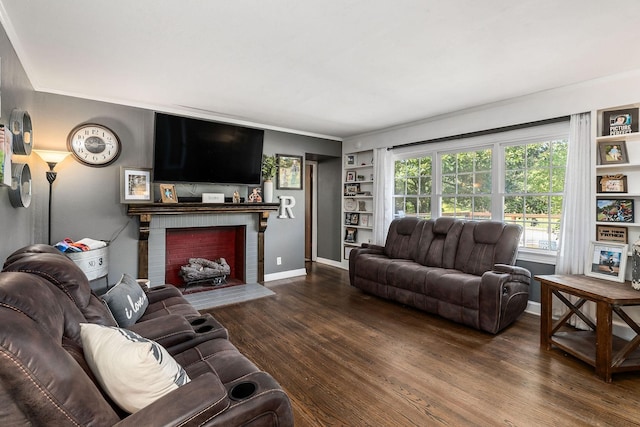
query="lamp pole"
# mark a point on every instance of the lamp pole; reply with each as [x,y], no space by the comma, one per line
[51,176]
[52,158]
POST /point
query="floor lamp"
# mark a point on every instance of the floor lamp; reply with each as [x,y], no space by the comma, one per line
[52,158]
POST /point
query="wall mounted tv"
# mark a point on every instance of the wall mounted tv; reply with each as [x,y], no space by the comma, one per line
[201,151]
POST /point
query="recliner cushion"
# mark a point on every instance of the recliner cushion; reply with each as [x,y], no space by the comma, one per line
[133,370]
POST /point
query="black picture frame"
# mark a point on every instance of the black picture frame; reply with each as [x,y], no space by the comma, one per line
[351,235]
[615,210]
[620,122]
[290,172]
[611,184]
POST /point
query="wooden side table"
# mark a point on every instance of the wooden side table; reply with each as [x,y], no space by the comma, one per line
[598,347]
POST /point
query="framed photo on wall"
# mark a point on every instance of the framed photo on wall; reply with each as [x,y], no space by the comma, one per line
[289,175]
[135,185]
[607,260]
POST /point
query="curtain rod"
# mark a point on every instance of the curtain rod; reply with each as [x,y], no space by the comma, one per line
[484,132]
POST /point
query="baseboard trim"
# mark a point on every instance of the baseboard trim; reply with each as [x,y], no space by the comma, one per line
[285,274]
[330,262]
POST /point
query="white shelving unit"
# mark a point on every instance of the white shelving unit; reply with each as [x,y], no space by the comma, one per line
[358,200]
[606,166]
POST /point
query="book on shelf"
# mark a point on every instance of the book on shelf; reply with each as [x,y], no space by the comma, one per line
[620,122]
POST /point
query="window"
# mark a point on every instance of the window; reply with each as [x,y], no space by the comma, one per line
[516,176]
[533,186]
[465,180]
[412,187]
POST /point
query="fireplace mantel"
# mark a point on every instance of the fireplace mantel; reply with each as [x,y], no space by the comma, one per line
[145,211]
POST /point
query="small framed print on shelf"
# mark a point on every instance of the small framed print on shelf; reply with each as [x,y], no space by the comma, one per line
[612,184]
[364,220]
[351,235]
[351,189]
[351,176]
[351,218]
[362,205]
[607,260]
[620,122]
[168,193]
[610,233]
[614,210]
[612,152]
[135,185]
[350,160]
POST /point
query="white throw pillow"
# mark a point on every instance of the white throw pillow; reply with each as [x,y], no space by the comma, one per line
[133,370]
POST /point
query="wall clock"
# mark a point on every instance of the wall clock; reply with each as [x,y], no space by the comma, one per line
[94,145]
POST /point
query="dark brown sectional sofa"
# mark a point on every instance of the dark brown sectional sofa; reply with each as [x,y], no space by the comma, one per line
[461,270]
[46,376]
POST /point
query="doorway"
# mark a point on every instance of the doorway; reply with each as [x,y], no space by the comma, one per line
[310,211]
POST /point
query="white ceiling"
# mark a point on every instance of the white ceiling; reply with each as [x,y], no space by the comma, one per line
[323,67]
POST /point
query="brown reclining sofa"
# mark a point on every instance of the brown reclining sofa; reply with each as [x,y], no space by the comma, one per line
[46,379]
[461,270]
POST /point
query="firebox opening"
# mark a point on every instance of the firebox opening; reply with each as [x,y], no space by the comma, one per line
[210,243]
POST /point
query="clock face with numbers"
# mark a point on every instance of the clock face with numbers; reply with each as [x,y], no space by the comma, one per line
[94,145]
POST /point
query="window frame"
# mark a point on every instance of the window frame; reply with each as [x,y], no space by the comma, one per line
[497,142]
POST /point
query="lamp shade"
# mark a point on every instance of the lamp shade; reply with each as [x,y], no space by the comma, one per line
[51,156]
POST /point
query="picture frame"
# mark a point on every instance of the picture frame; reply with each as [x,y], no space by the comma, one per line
[607,260]
[135,185]
[614,210]
[168,193]
[351,189]
[351,176]
[290,169]
[620,122]
[611,233]
[364,220]
[351,235]
[611,184]
[347,251]
[362,205]
[613,152]
[350,160]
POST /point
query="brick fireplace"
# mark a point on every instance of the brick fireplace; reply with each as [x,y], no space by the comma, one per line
[210,243]
[155,218]
[163,225]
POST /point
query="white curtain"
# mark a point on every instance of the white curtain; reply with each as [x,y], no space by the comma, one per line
[575,231]
[383,190]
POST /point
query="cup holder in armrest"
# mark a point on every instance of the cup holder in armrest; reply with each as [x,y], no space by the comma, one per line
[243,390]
[198,321]
[203,329]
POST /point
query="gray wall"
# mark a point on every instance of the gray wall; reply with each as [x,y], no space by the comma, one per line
[86,201]
[329,208]
[285,237]
[16,92]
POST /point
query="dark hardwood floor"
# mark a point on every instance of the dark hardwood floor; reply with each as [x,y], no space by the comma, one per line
[349,359]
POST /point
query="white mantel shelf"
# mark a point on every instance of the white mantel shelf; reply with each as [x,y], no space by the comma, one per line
[145,211]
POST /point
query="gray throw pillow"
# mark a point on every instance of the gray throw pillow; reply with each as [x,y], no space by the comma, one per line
[127,301]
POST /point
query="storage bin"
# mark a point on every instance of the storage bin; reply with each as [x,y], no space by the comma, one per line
[95,263]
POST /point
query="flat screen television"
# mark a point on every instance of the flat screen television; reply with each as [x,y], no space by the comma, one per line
[188,150]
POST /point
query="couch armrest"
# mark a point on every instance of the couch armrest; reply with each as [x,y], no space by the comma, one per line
[192,404]
[504,294]
[366,248]
[167,331]
[518,274]
[159,293]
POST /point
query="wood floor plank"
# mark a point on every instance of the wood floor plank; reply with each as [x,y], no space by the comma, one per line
[350,359]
